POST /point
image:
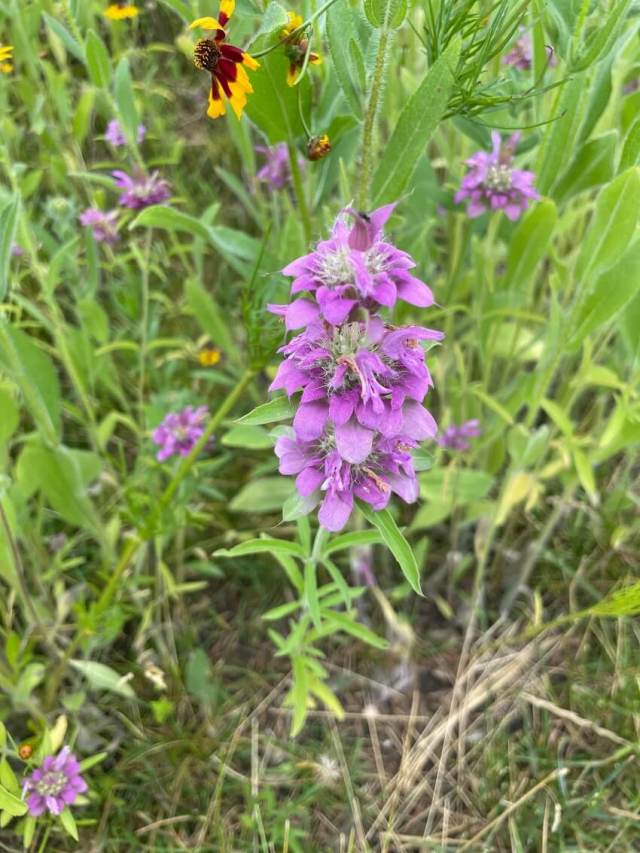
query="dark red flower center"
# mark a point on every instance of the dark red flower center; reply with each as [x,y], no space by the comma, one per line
[206,55]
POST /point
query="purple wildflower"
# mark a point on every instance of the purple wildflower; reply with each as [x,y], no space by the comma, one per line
[355,268]
[55,784]
[142,190]
[521,54]
[493,184]
[179,432]
[456,436]
[325,477]
[102,224]
[363,381]
[16,251]
[114,134]
[276,171]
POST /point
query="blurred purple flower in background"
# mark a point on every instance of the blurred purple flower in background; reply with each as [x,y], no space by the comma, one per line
[16,251]
[114,134]
[492,183]
[54,785]
[360,413]
[179,432]
[141,190]
[521,54]
[456,436]
[276,171]
[102,224]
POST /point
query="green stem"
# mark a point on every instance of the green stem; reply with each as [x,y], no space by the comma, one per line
[299,191]
[366,156]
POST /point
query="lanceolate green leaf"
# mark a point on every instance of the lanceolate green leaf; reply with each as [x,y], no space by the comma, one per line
[613,225]
[418,120]
[529,243]
[262,546]
[278,409]
[395,542]
[613,290]
[98,60]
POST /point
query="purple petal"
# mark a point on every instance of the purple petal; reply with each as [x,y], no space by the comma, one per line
[310,419]
[353,441]
[335,510]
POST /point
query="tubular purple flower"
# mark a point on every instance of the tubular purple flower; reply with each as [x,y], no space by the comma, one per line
[456,436]
[355,268]
[493,184]
[142,190]
[103,225]
[54,785]
[179,432]
[114,134]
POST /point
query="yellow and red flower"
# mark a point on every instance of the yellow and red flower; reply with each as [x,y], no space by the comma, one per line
[209,356]
[120,11]
[6,59]
[225,62]
[296,46]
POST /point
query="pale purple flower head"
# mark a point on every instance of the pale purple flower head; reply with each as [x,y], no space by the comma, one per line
[54,785]
[141,190]
[355,268]
[179,432]
[324,477]
[16,251]
[493,184]
[103,224]
[114,134]
[456,436]
[276,171]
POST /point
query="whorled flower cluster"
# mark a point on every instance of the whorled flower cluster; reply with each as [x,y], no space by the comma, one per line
[54,785]
[360,413]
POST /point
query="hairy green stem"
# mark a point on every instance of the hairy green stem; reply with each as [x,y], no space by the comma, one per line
[299,191]
[366,156]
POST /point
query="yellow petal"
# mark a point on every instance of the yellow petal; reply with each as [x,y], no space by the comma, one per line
[250,62]
[315,59]
[238,100]
[216,107]
[119,13]
[242,81]
[295,21]
[227,7]
[206,24]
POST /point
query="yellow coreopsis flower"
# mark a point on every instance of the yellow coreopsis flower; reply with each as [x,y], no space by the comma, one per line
[296,47]
[225,62]
[120,11]
[6,59]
